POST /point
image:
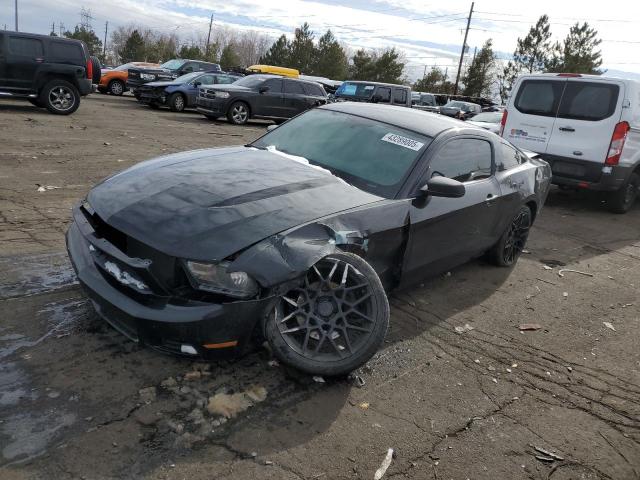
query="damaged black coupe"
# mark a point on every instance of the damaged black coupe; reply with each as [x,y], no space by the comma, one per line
[295,237]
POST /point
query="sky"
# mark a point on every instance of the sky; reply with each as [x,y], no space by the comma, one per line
[429,33]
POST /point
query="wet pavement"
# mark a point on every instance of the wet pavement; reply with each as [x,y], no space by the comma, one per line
[78,400]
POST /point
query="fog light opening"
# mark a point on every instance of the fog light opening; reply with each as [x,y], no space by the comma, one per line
[188,349]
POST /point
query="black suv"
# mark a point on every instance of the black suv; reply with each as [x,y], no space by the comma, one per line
[259,96]
[168,71]
[49,72]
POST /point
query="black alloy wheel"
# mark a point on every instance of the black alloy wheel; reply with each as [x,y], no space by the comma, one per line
[238,113]
[176,102]
[334,321]
[622,200]
[508,249]
[60,97]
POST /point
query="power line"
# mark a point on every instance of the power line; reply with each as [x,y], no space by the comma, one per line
[581,19]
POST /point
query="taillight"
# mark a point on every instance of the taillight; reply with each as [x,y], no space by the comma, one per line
[503,122]
[89,68]
[617,143]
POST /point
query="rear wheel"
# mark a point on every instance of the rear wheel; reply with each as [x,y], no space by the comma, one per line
[238,113]
[334,321]
[60,97]
[622,200]
[508,249]
[116,87]
[176,102]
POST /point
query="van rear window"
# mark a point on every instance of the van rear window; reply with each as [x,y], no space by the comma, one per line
[590,101]
[539,97]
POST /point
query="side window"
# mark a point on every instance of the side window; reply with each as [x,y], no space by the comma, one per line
[205,80]
[465,160]
[187,68]
[384,95]
[539,97]
[313,89]
[225,79]
[510,157]
[399,96]
[588,101]
[25,47]
[274,84]
[66,52]
[293,87]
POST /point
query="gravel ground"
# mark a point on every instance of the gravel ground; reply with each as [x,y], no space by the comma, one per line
[77,400]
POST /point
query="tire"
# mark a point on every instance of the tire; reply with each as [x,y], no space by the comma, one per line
[60,97]
[36,102]
[238,113]
[176,102]
[97,70]
[506,252]
[116,87]
[326,326]
[622,200]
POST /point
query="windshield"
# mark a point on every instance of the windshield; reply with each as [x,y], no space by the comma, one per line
[454,104]
[374,156]
[187,77]
[488,117]
[173,64]
[359,90]
[250,81]
[126,66]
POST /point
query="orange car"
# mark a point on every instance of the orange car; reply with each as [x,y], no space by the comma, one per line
[115,81]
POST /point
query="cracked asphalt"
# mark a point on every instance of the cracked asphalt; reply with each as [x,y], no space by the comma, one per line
[79,401]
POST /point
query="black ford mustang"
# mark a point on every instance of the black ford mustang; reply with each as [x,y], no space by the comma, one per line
[296,236]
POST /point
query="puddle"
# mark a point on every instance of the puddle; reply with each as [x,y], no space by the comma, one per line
[32,274]
[13,387]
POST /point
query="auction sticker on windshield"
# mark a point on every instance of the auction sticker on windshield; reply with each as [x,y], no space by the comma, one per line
[402,141]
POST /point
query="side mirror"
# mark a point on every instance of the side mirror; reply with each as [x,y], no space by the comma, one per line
[197,84]
[443,187]
[271,128]
[263,89]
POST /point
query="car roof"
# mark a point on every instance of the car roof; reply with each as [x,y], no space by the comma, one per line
[41,37]
[425,123]
[364,82]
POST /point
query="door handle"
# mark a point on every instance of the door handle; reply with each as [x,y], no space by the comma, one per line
[490,199]
[39,59]
[567,129]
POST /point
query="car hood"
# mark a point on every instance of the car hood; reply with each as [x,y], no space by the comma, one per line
[486,125]
[209,204]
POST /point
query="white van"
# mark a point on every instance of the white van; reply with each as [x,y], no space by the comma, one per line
[587,127]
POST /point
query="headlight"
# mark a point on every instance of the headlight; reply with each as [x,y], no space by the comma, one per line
[147,76]
[222,94]
[213,277]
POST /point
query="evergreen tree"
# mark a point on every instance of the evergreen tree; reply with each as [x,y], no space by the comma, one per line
[229,58]
[87,36]
[377,67]
[191,52]
[362,66]
[302,50]
[330,58]
[133,49]
[579,52]
[478,78]
[505,79]
[532,51]
[278,54]
[434,82]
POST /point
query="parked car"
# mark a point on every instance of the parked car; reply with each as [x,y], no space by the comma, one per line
[460,110]
[296,236]
[330,86]
[274,70]
[167,71]
[374,92]
[259,96]
[487,120]
[426,102]
[587,127]
[114,81]
[50,72]
[182,92]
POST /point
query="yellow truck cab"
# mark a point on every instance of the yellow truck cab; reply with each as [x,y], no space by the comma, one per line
[285,72]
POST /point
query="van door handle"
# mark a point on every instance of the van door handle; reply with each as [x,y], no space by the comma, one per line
[490,199]
[567,129]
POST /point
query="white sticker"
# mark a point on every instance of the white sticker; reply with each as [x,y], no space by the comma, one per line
[369,87]
[402,141]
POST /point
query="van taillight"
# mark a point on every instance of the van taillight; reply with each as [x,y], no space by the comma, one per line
[89,69]
[503,122]
[617,143]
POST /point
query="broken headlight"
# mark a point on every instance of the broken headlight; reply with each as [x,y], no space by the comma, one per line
[214,277]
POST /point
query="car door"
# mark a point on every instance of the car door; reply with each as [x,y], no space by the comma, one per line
[23,59]
[532,112]
[587,116]
[445,232]
[192,87]
[400,96]
[269,100]
[295,100]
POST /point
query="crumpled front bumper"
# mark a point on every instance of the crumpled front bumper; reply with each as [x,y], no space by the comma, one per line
[173,325]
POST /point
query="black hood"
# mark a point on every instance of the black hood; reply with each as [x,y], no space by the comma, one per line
[209,204]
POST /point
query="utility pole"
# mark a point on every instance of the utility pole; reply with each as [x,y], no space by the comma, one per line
[206,53]
[464,47]
[53,28]
[61,29]
[16,15]
[104,45]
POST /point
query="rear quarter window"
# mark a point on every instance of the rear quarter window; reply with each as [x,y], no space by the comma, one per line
[66,52]
[312,89]
[25,47]
[539,97]
[591,101]
[399,96]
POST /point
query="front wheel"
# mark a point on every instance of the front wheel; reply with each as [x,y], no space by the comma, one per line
[508,249]
[116,87]
[176,102]
[60,97]
[334,321]
[622,200]
[238,113]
